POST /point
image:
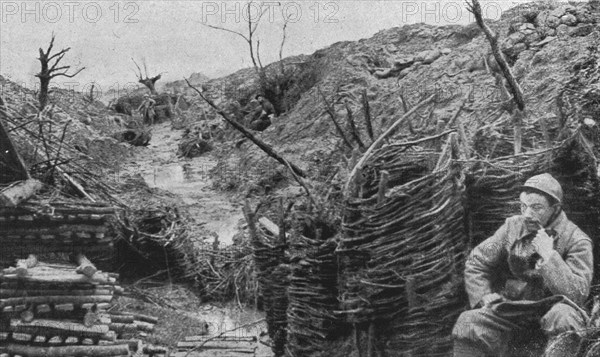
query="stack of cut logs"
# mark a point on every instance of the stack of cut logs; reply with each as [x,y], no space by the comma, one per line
[58,309]
[34,227]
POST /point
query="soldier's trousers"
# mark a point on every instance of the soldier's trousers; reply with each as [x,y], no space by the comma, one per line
[481,332]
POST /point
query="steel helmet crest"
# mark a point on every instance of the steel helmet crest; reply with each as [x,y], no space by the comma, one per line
[547,184]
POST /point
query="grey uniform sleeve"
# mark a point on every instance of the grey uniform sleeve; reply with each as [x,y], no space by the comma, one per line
[571,276]
[481,263]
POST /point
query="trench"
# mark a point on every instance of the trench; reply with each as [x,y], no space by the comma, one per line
[189,180]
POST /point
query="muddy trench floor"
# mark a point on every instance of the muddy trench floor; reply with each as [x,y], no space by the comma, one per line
[161,176]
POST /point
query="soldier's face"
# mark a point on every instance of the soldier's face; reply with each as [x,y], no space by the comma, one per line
[536,209]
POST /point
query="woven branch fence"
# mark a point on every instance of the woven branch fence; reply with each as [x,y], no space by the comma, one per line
[403,247]
[493,187]
[312,292]
[403,252]
[272,271]
[397,266]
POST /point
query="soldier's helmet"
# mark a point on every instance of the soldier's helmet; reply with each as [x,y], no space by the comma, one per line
[547,184]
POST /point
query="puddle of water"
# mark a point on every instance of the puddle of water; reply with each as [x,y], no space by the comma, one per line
[233,321]
[220,320]
[191,182]
[178,177]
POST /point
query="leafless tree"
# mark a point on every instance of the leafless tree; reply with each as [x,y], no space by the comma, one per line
[271,90]
[147,81]
[50,71]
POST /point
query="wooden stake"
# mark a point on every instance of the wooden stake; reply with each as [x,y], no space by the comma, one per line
[282,235]
[330,110]
[518,129]
[379,141]
[74,183]
[367,112]
[446,152]
[545,132]
[353,130]
[463,152]
[411,294]
[371,340]
[383,181]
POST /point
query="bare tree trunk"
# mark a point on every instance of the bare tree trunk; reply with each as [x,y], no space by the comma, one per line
[264,147]
[513,85]
[149,83]
[492,38]
[367,112]
[43,95]
[50,71]
[330,110]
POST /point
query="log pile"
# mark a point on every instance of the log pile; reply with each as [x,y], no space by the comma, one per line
[60,309]
[37,227]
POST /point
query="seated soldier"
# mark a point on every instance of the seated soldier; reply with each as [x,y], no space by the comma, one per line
[534,272]
[262,119]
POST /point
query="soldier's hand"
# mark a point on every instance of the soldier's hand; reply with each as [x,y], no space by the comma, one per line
[489,299]
[543,244]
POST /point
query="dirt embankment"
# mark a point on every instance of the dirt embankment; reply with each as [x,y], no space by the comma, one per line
[401,66]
